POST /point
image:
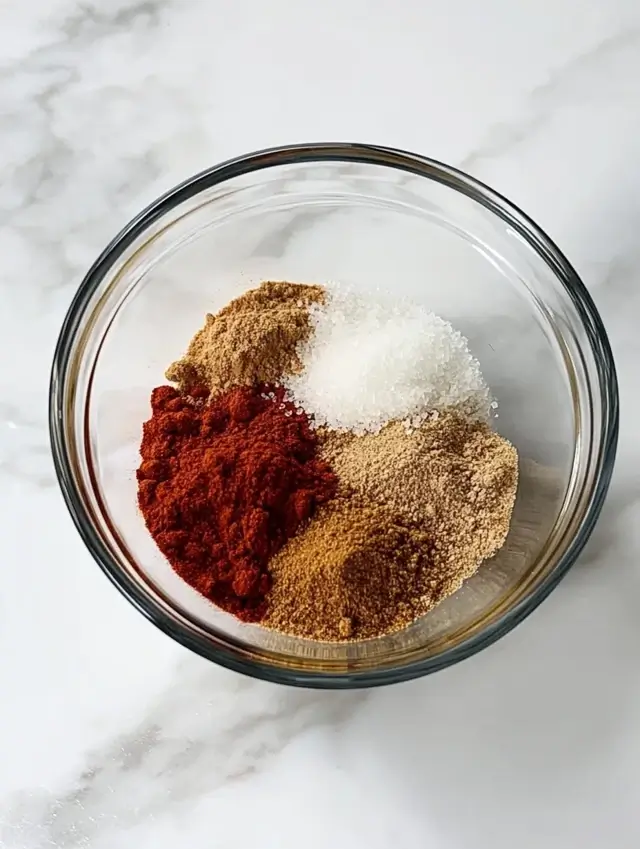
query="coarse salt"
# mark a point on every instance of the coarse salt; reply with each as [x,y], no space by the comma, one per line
[369,360]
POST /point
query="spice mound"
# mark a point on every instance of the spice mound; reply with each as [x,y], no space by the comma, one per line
[371,360]
[222,486]
[253,340]
[439,500]
[452,477]
[325,464]
[356,572]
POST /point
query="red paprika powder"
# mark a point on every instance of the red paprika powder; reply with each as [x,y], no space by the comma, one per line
[223,485]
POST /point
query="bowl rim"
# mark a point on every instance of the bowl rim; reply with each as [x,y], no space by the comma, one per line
[348,153]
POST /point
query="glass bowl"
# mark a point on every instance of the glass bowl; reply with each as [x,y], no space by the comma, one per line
[372,218]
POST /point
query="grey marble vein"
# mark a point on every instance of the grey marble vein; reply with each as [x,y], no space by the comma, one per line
[94,20]
[38,94]
[186,747]
[548,97]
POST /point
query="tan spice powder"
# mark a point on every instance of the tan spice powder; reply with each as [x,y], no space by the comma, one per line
[251,340]
[353,573]
[438,502]
[454,478]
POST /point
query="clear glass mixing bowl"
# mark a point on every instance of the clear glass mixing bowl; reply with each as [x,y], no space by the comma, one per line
[370,217]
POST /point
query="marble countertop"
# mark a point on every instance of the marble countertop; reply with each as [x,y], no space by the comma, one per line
[111,735]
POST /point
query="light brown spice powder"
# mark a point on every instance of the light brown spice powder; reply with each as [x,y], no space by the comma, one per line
[251,340]
[353,573]
[419,512]
[454,478]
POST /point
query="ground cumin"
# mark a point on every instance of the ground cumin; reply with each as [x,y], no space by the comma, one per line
[252,340]
[418,512]
[355,572]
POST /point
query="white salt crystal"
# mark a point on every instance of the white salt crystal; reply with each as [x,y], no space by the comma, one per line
[370,360]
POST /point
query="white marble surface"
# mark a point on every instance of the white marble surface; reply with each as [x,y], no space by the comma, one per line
[111,736]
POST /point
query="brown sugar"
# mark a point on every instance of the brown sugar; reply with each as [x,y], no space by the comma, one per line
[454,478]
[252,340]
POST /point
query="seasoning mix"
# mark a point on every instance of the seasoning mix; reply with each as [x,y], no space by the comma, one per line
[323,464]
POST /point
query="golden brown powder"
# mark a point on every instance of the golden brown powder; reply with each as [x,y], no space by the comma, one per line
[252,340]
[418,512]
[353,573]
